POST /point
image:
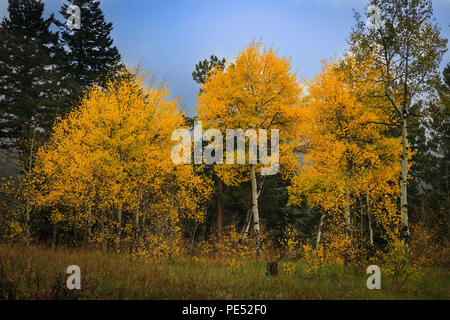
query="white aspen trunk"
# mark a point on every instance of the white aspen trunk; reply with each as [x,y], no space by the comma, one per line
[256,225]
[372,246]
[403,182]
[319,231]
[246,227]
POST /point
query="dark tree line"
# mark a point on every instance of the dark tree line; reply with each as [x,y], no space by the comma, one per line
[430,136]
[44,68]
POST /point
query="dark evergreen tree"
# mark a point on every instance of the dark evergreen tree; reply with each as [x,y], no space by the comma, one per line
[31,87]
[430,137]
[199,75]
[90,54]
[204,67]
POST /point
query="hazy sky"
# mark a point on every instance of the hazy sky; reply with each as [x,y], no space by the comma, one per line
[170,37]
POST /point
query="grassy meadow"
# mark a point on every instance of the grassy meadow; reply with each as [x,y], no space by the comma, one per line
[40,273]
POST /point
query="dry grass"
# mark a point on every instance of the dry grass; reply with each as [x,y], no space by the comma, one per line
[40,273]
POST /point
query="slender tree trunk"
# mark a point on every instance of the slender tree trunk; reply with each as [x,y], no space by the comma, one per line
[423,212]
[171,227]
[248,218]
[142,224]
[207,222]
[246,227]
[136,218]
[256,225]
[219,210]
[347,224]
[27,217]
[136,221]
[403,182]
[319,230]
[361,224]
[372,246]
[89,224]
[119,226]
[347,214]
[193,233]
[103,230]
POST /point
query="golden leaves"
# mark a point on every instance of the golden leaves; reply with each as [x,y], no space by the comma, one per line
[257,90]
[348,151]
[113,151]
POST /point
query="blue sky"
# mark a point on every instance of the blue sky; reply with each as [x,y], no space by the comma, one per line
[170,37]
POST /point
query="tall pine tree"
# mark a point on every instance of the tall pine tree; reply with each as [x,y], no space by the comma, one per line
[199,75]
[430,137]
[90,54]
[30,79]
[31,87]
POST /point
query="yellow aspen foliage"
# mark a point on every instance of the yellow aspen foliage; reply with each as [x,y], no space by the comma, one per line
[258,90]
[290,241]
[109,162]
[348,153]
